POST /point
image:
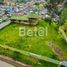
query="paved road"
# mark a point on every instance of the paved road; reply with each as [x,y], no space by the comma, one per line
[4,64]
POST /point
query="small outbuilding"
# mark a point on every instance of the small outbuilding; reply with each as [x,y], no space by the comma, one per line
[25,19]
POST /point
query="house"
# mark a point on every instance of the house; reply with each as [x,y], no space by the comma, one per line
[9,2]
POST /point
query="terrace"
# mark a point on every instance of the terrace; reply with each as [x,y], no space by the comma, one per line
[26,19]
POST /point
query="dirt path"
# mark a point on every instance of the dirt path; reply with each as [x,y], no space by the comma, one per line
[13,62]
[57,50]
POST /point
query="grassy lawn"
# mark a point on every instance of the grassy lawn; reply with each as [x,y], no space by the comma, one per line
[35,44]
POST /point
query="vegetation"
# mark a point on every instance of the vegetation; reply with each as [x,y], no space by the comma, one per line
[63,15]
[1,1]
[25,17]
[35,44]
[55,9]
[22,48]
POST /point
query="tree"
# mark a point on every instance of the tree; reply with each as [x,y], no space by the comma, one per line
[1,1]
[63,15]
[65,3]
[55,8]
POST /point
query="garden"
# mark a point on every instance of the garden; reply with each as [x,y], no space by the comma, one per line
[34,44]
[35,35]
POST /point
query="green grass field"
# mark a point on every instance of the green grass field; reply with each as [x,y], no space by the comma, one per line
[35,44]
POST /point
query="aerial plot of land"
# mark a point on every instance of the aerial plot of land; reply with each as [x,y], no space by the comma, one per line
[33,33]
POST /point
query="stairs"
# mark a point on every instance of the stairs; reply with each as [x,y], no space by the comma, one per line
[4,20]
[2,25]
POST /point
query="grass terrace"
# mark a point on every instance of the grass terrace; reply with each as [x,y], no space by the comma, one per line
[24,17]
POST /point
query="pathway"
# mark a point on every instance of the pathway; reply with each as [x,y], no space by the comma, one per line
[2,25]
